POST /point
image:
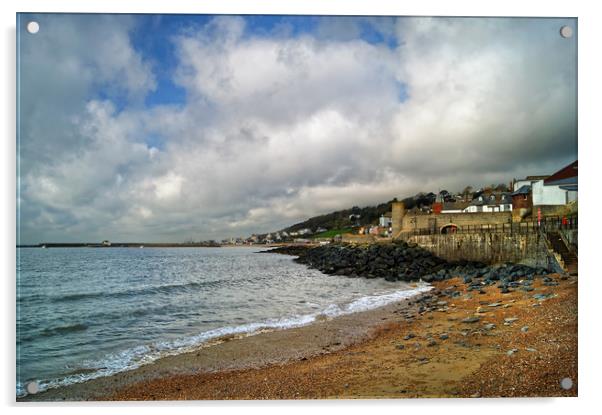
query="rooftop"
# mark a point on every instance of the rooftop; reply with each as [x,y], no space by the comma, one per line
[523,190]
[565,176]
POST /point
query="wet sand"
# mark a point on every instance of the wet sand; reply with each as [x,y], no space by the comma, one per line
[371,354]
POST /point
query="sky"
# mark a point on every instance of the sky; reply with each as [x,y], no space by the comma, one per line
[170,128]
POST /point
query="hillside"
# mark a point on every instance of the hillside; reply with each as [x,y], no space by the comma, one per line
[357,216]
[344,218]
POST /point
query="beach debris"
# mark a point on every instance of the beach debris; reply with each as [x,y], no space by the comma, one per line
[524,329]
[530,349]
[511,352]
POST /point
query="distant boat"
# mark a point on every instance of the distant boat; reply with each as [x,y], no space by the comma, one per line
[141,246]
[44,246]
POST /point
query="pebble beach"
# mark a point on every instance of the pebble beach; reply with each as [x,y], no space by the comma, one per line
[449,342]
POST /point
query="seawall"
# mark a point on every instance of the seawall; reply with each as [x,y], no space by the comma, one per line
[487,247]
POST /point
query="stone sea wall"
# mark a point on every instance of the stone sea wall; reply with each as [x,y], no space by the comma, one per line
[486,247]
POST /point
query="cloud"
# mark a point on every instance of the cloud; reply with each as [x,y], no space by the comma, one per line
[278,126]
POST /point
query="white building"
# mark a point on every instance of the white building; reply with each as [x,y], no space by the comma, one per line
[384,221]
[490,203]
[558,189]
[548,195]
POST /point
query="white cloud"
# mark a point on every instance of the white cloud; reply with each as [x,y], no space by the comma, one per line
[276,129]
[168,186]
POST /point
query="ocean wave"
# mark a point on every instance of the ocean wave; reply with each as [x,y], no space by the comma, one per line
[154,289]
[55,331]
[144,354]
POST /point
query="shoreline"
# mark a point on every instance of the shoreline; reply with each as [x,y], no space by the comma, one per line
[436,344]
[245,350]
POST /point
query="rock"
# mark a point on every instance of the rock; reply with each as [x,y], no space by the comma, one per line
[444,336]
[524,329]
[510,320]
[494,305]
[400,347]
[511,352]
[409,336]
[528,288]
[473,319]
[530,349]
[431,343]
[542,297]
[504,290]
[489,326]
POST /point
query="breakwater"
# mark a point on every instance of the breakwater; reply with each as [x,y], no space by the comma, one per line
[402,261]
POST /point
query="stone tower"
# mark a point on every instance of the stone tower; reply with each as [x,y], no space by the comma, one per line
[398,211]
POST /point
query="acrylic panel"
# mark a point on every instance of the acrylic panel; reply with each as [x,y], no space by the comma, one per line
[219,207]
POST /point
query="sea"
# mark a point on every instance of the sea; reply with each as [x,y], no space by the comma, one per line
[83,313]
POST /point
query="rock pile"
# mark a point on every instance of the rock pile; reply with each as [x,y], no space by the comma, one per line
[401,261]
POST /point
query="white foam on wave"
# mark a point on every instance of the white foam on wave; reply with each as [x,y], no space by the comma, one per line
[135,357]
